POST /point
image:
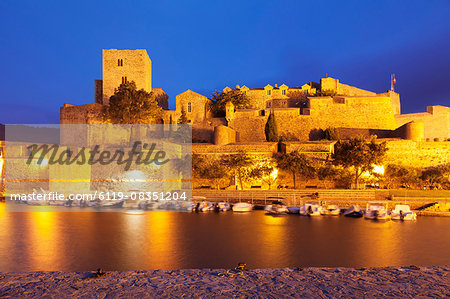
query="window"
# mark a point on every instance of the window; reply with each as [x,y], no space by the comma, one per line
[124,80]
[269,92]
[283,92]
[189,107]
[120,62]
[268,104]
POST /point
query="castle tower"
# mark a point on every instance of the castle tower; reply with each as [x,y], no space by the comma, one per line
[229,111]
[121,66]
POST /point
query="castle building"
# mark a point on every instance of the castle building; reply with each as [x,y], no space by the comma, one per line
[302,112]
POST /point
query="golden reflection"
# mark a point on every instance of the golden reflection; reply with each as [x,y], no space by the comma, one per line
[152,236]
[44,253]
[379,244]
[273,233]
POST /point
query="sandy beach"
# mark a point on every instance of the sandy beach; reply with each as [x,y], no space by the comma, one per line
[267,283]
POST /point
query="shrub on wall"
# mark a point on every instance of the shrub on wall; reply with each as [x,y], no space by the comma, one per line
[331,134]
[271,129]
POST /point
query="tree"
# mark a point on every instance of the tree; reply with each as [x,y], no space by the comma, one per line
[295,163]
[235,96]
[210,169]
[395,175]
[237,164]
[328,172]
[360,154]
[131,106]
[264,170]
[433,175]
[183,118]
[331,134]
[271,129]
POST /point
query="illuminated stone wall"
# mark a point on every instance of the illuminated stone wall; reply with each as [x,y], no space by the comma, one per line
[436,122]
[135,65]
[323,112]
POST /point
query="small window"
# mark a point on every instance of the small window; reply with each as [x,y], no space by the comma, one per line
[268,104]
[269,92]
[120,62]
[124,80]
[283,92]
[189,107]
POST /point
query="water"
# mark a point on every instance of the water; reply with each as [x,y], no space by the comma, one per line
[171,240]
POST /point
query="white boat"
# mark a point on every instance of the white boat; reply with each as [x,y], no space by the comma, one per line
[354,211]
[205,206]
[402,212]
[377,211]
[242,207]
[310,209]
[331,210]
[38,202]
[293,210]
[276,207]
[224,206]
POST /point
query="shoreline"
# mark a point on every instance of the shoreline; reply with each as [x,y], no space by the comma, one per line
[431,281]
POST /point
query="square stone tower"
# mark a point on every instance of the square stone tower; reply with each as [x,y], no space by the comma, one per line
[121,66]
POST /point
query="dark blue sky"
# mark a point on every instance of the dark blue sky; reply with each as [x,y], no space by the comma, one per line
[51,53]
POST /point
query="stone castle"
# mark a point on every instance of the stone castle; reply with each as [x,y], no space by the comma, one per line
[302,112]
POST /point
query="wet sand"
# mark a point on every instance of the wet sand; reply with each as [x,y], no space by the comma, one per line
[297,282]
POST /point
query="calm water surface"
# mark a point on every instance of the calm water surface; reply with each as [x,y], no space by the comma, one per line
[171,240]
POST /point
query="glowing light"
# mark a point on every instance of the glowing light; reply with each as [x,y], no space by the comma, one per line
[44,162]
[378,169]
[135,176]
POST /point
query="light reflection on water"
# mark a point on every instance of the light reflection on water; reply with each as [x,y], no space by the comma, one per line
[170,240]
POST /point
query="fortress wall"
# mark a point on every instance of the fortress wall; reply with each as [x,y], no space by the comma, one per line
[81,114]
[309,147]
[257,148]
[417,154]
[333,85]
[204,131]
[137,67]
[355,112]
[436,122]
[401,152]
[353,91]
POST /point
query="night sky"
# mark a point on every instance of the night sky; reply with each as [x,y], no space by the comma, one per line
[51,53]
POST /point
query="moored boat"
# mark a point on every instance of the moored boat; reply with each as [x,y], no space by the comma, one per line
[277,207]
[354,211]
[224,206]
[402,212]
[206,206]
[242,207]
[376,211]
[310,209]
[293,210]
[331,210]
